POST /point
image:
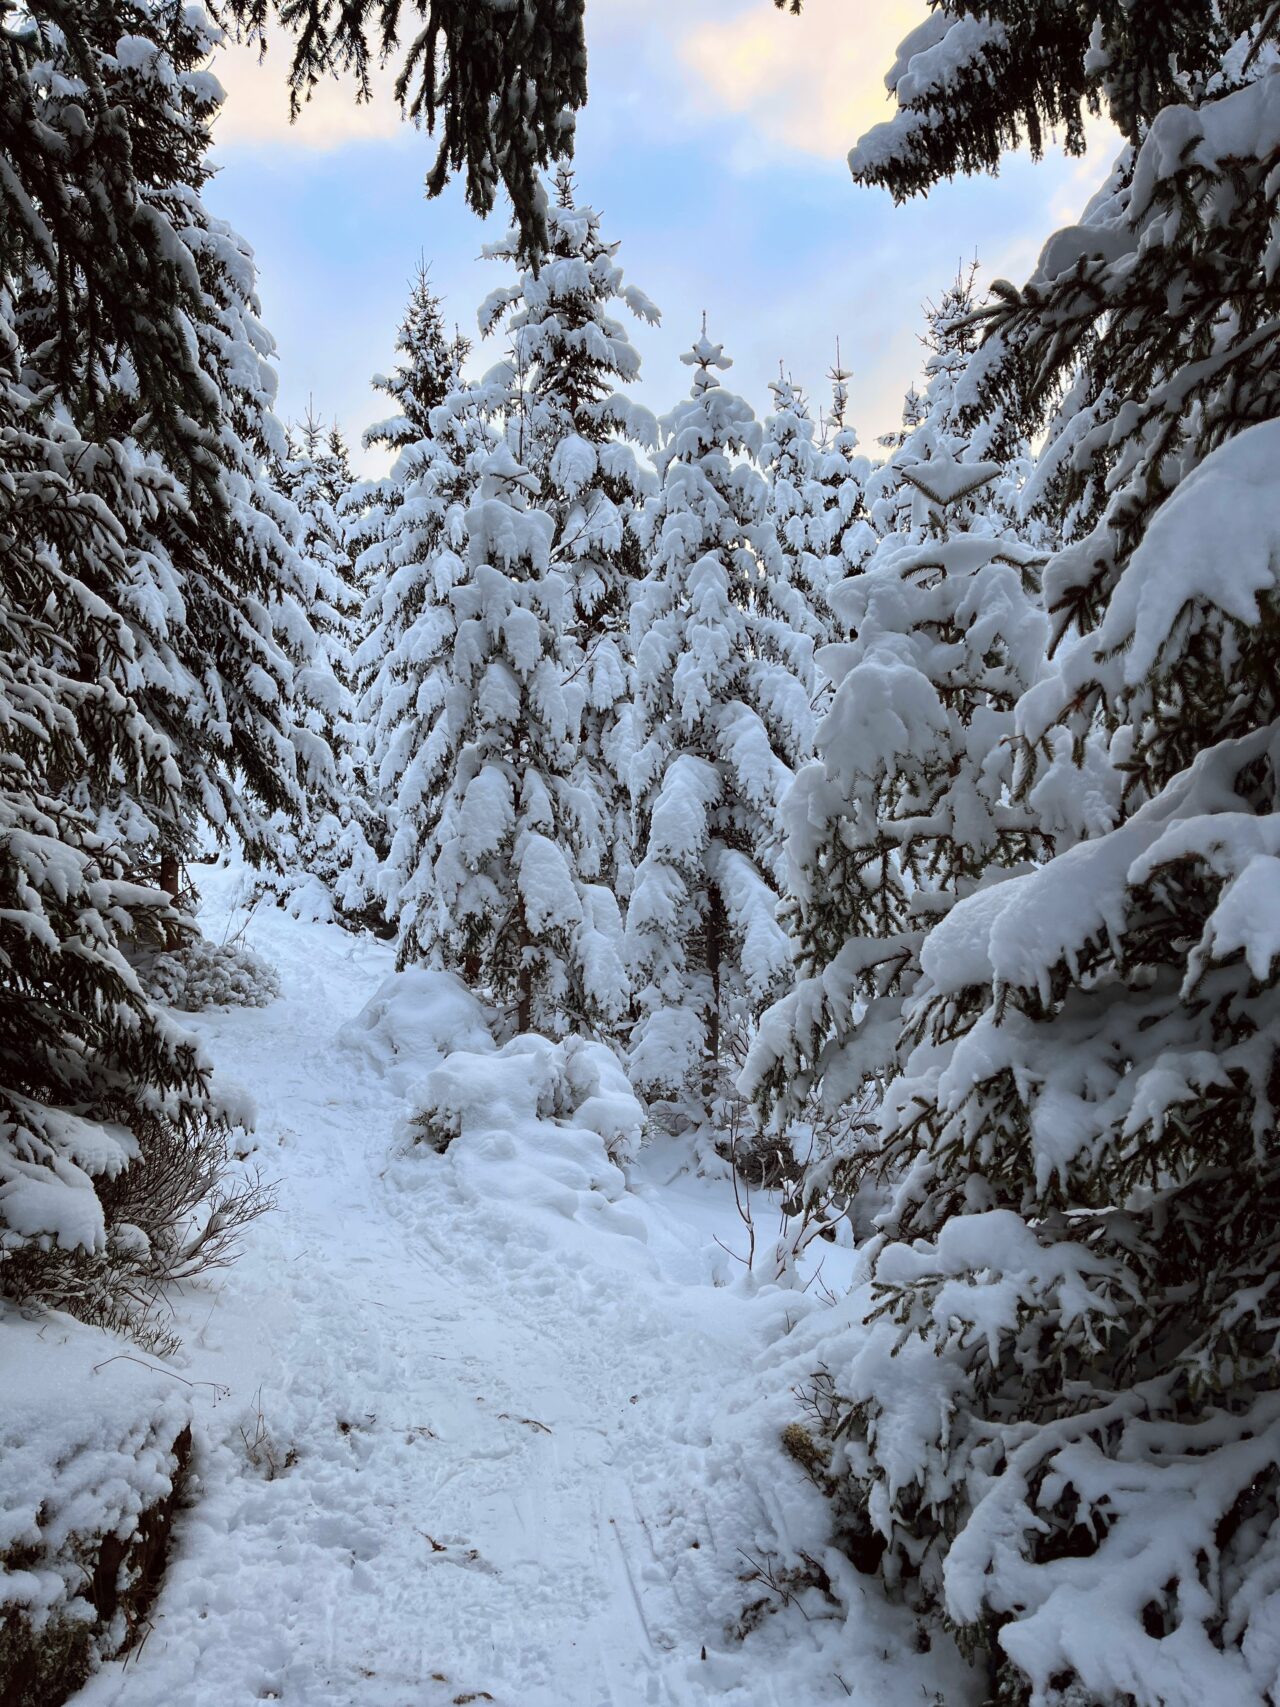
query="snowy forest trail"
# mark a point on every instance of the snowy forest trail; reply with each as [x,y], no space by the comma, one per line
[461,1450]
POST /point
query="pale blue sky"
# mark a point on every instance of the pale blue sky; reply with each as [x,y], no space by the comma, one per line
[715,149]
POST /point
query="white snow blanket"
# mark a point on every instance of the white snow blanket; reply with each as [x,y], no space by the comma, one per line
[86,1426]
[498,1428]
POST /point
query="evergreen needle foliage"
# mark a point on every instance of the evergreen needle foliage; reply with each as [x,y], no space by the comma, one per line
[502,82]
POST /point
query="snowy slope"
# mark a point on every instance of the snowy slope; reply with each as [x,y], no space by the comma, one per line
[481,1444]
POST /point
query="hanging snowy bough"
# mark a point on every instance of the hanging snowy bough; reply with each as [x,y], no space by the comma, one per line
[946,480]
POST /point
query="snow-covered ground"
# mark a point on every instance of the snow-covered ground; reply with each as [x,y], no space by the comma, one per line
[493,1425]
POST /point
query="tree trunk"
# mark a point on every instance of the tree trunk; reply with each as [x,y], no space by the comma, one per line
[715,955]
[524,983]
[170,875]
[171,883]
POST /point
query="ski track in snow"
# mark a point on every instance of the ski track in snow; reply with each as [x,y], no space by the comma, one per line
[470,1453]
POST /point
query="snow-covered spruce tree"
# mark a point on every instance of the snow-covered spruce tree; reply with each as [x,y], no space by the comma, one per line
[907,805]
[328,867]
[392,523]
[428,369]
[1075,1455]
[843,473]
[109,1138]
[724,688]
[800,509]
[579,437]
[407,655]
[384,540]
[214,592]
[143,592]
[409,529]
[497,898]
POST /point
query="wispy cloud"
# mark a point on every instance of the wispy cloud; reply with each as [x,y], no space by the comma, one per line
[256,110]
[715,146]
[812,83]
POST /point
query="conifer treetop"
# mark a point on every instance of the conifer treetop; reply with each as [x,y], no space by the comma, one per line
[429,368]
[704,355]
[567,351]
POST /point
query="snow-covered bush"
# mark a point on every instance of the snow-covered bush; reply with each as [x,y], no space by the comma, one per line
[94,1449]
[577,1083]
[413,1020]
[201,974]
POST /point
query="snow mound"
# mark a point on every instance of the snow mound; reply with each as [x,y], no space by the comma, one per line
[542,1125]
[576,1082]
[411,1022]
[86,1444]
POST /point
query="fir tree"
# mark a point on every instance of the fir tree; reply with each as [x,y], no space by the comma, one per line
[406,661]
[1079,1270]
[843,474]
[799,510]
[328,869]
[409,532]
[214,592]
[499,901]
[384,535]
[109,1136]
[155,623]
[906,807]
[579,438]
[724,693]
[428,370]
[85,136]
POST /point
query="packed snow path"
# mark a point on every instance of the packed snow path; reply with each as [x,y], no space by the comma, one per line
[472,1450]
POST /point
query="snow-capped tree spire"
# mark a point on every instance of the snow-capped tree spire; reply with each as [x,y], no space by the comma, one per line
[839,377]
[429,366]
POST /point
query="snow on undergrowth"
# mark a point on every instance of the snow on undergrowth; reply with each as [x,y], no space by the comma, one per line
[202,974]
